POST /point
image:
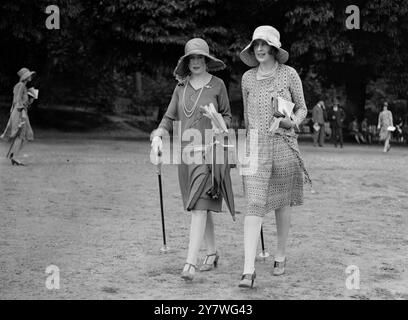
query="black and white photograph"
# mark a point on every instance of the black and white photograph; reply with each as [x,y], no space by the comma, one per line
[205,150]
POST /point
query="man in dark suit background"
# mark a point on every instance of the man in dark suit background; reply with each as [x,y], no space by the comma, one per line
[318,124]
[336,118]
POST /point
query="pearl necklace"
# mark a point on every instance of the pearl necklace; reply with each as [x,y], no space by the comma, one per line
[189,112]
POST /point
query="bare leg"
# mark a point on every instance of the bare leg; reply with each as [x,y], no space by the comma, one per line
[252,229]
[282,226]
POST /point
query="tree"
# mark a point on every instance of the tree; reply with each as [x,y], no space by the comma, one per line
[99,38]
[352,57]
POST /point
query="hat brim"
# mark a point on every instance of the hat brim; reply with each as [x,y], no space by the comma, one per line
[249,59]
[213,64]
[26,75]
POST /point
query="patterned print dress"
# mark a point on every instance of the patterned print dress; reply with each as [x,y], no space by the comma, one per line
[278,180]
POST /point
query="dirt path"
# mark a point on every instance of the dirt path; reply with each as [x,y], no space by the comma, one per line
[91,208]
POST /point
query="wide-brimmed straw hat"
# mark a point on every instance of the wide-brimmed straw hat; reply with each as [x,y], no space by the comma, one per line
[200,47]
[24,73]
[272,37]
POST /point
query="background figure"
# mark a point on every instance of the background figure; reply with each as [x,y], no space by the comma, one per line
[337,117]
[385,121]
[372,120]
[398,129]
[318,120]
[327,129]
[365,131]
[355,131]
[18,128]
[405,128]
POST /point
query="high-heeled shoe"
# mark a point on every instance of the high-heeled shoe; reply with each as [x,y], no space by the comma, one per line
[189,273]
[247,280]
[15,162]
[208,263]
[279,267]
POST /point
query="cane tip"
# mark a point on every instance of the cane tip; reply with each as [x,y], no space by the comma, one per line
[264,255]
[164,249]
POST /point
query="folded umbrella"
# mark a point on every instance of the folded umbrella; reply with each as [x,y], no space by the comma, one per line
[222,184]
[213,180]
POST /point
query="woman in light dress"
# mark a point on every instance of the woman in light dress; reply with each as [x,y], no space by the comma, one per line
[18,129]
[277,185]
[384,122]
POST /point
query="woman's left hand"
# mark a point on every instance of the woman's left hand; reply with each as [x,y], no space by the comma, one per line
[286,123]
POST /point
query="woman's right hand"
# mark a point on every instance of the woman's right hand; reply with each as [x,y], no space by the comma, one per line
[157,146]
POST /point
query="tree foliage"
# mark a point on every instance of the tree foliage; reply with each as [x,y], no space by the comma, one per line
[99,38]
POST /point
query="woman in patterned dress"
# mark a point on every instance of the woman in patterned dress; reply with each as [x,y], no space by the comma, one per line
[277,184]
[18,128]
[197,88]
[385,121]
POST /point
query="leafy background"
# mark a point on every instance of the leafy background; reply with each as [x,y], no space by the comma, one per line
[129,48]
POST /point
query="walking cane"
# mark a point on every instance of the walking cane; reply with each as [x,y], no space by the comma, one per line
[263,254]
[164,248]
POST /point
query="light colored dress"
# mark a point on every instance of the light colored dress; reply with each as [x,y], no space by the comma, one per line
[214,92]
[18,109]
[385,120]
[278,181]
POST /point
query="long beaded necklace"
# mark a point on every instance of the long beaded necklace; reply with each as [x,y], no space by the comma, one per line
[189,112]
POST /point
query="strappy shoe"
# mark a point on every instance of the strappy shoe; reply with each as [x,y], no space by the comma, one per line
[210,263]
[279,267]
[16,163]
[188,274]
[247,280]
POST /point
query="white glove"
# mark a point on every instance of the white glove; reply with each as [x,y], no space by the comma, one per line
[157,145]
[215,130]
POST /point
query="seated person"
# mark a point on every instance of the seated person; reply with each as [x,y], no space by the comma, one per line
[355,131]
[365,131]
